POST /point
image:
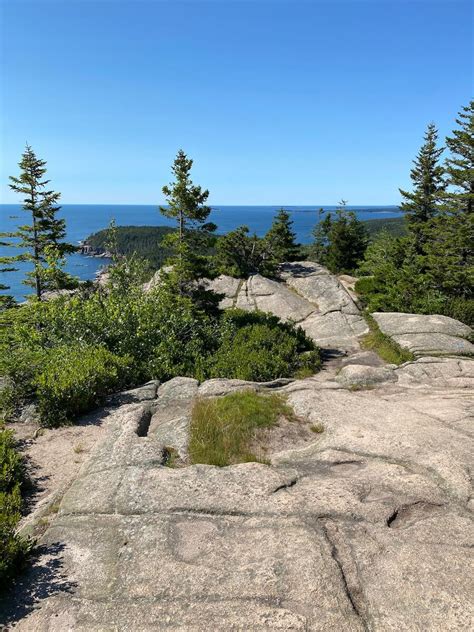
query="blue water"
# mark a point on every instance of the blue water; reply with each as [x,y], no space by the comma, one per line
[84,219]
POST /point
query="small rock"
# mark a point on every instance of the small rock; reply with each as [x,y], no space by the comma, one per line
[362,376]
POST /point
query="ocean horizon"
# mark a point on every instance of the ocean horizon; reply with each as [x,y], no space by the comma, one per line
[84,219]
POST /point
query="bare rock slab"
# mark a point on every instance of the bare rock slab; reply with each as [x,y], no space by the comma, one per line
[426,335]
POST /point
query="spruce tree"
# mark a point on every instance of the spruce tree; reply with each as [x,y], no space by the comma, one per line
[6,266]
[450,252]
[340,243]
[422,204]
[186,204]
[280,239]
[460,166]
[42,238]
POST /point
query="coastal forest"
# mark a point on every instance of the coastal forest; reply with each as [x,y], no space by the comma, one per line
[152,316]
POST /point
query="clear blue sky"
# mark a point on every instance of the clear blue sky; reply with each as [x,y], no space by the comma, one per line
[278,102]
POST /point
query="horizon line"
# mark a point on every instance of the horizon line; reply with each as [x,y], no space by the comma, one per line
[317,206]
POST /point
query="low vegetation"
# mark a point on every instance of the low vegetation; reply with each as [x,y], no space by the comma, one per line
[13,548]
[258,347]
[222,429]
[384,346]
[65,355]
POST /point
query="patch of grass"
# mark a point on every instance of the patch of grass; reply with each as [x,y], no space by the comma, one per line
[317,428]
[383,345]
[222,428]
[79,448]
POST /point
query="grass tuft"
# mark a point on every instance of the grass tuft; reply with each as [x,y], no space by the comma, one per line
[222,428]
[383,345]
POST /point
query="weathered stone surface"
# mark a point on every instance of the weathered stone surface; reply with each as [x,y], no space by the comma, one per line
[170,421]
[318,286]
[438,372]
[335,330]
[367,527]
[426,335]
[260,293]
[147,392]
[308,295]
[361,376]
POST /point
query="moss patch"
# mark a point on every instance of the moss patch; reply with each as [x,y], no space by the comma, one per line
[383,345]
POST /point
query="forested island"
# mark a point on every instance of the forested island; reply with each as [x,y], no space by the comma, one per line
[62,354]
[146,241]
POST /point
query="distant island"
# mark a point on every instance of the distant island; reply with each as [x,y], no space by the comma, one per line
[146,240]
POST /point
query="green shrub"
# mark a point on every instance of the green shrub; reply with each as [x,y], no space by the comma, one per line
[222,428]
[459,308]
[13,548]
[12,469]
[258,347]
[76,379]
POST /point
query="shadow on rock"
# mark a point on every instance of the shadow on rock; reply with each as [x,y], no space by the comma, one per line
[44,578]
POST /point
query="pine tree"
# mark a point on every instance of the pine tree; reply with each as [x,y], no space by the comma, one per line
[340,243]
[6,266]
[186,204]
[460,167]
[280,239]
[422,204]
[450,252]
[42,239]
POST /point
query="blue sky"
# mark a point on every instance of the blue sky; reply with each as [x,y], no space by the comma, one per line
[298,102]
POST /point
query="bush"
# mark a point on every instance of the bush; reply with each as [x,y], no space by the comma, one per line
[75,380]
[222,428]
[13,548]
[258,347]
[69,352]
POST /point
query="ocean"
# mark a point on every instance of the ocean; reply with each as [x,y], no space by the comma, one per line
[84,219]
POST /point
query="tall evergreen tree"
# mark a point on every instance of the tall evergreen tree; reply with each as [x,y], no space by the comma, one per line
[460,167]
[450,252]
[422,204]
[281,240]
[186,204]
[42,238]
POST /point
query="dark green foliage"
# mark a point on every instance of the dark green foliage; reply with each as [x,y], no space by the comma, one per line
[394,226]
[340,241]
[241,255]
[222,428]
[76,379]
[422,204]
[258,347]
[144,241]
[460,166]
[280,239]
[13,548]
[67,353]
[432,269]
[186,204]
[12,469]
[41,240]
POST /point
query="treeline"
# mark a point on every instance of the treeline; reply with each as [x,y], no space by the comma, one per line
[430,270]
